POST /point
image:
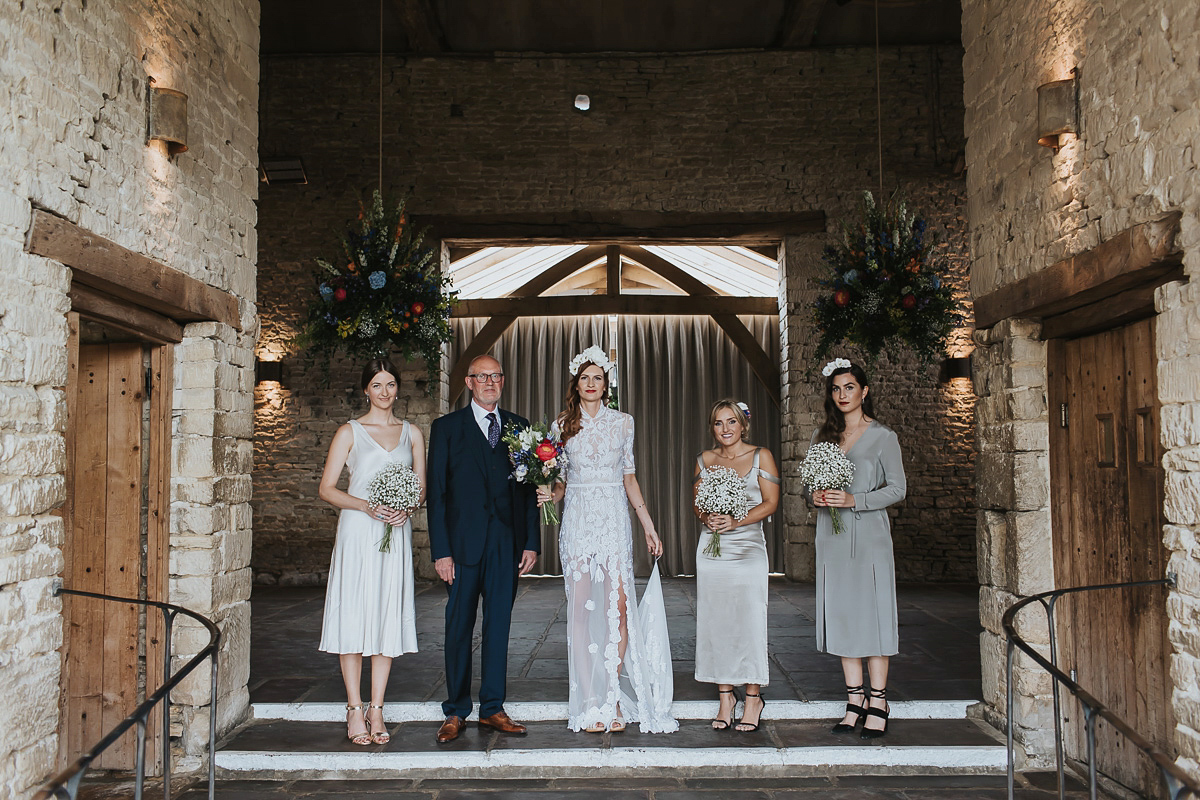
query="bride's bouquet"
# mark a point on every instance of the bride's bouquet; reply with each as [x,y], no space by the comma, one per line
[536,453]
[826,467]
[394,486]
[721,491]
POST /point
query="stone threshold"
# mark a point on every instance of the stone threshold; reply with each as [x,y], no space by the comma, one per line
[544,712]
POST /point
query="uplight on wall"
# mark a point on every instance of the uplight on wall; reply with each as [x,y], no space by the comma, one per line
[1058,110]
[166,114]
[268,371]
[582,102]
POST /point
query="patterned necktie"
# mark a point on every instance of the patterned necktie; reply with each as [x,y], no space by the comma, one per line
[493,430]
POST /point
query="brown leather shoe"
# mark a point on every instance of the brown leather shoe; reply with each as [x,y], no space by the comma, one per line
[502,722]
[450,729]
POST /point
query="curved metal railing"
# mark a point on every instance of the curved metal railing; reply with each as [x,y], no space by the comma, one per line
[1178,783]
[65,785]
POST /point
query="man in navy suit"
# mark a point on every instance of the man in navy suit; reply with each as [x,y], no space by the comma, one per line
[483,534]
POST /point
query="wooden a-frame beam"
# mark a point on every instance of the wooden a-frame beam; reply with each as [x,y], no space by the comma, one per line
[571,305]
[763,367]
[613,278]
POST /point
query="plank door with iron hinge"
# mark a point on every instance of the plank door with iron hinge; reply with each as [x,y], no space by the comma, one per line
[1106,492]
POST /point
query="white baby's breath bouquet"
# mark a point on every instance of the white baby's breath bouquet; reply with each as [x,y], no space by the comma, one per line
[827,467]
[721,491]
[395,486]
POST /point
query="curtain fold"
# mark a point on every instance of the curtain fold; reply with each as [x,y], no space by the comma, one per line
[670,372]
[674,369]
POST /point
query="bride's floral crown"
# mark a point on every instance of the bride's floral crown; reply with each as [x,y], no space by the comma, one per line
[592,355]
[836,364]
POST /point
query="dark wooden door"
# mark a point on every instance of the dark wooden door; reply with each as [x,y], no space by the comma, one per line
[1107,498]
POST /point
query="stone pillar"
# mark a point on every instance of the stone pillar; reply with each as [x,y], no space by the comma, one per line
[211,523]
[800,412]
[1016,552]
[1178,343]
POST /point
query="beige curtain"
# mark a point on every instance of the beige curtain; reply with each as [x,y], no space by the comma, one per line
[674,369]
[671,370]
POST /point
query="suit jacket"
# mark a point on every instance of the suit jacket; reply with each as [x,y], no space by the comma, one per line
[458,509]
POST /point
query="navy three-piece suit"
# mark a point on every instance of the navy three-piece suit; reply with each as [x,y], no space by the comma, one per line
[482,518]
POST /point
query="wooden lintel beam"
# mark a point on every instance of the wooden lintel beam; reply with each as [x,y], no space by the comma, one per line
[488,335]
[1120,309]
[575,304]
[1138,255]
[419,21]
[799,25]
[612,281]
[104,308]
[646,227]
[126,275]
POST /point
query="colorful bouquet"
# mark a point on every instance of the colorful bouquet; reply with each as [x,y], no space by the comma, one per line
[385,292]
[394,486]
[536,453]
[826,467]
[721,491]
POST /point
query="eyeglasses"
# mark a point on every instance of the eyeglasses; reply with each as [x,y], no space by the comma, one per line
[487,377]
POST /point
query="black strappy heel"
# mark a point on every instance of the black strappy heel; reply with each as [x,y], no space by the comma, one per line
[723,725]
[751,727]
[871,733]
[858,710]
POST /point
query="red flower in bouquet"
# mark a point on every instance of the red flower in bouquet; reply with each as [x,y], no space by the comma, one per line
[546,451]
[908,301]
[417,308]
[841,297]
[339,294]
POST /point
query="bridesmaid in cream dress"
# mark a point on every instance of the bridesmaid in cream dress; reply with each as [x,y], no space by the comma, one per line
[369,609]
[731,589]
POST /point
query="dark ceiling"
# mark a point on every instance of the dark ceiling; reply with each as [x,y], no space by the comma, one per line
[592,26]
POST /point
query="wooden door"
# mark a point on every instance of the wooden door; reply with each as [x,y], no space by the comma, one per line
[1107,498]
[115,541]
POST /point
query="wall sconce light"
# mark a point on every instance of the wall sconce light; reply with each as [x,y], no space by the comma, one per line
[955,367]
[268,371]
[582,102]
[166,115]
[1058,110]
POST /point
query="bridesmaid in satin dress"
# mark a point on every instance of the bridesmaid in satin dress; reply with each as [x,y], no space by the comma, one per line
[731,589]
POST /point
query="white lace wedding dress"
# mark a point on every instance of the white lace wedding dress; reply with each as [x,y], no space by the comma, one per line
[596,548]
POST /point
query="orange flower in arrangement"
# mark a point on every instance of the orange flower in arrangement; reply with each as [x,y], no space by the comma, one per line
[841,297]
[417,308]
[914,266]
[351,268]
[546,451]
[404,325]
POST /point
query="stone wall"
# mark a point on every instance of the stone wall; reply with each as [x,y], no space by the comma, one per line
[1029,207]
[73,80]
[779,131]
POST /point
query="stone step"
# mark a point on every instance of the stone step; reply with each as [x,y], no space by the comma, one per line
[282,749]
[547,711]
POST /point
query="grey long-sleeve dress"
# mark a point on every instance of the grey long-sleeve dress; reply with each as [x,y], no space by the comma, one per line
[856,571]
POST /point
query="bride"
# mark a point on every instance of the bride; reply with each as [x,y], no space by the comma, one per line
[618,656]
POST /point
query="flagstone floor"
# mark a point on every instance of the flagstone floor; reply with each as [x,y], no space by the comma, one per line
[938,660]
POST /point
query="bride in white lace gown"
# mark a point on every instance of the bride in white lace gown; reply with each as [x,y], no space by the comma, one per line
[618,653]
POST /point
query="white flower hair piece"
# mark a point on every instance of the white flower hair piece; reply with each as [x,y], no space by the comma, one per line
[745,408]
[836,364]
[593,355]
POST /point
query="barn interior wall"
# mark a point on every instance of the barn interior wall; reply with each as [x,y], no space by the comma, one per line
[73,78]
[727,132]
[1029,207]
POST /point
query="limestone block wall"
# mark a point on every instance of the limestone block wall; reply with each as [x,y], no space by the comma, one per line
[73,81]
[778,131]
[1028,208]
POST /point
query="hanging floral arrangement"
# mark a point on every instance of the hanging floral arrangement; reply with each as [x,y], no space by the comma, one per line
[386,293]
[884,288]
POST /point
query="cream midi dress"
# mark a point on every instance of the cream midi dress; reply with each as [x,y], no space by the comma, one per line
[369,605]
[731,599]
[856,571]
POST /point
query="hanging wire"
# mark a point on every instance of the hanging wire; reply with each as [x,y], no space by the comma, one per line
[381,94]
[878,103]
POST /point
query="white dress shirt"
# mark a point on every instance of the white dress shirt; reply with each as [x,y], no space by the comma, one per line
[481,417]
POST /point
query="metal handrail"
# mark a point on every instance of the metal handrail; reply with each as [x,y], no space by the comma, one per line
[65,785]
[1178,783]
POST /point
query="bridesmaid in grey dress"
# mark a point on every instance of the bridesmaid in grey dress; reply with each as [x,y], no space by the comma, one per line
[731,589]
[856,571]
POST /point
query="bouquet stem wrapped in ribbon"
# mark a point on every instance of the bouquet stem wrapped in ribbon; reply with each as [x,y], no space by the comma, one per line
[721,491]
[394,486]
[827,467]
[536,454]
